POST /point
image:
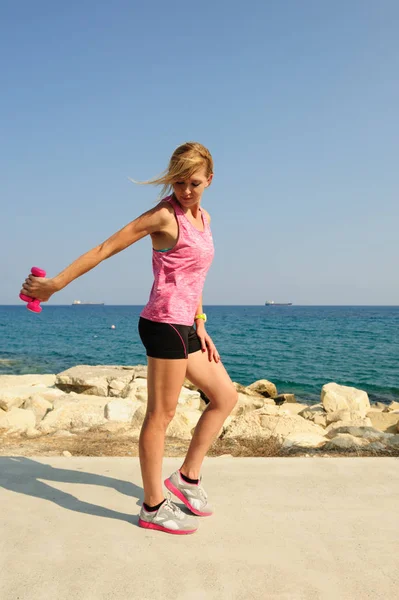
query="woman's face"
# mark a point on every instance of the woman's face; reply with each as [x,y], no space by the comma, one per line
[189,192]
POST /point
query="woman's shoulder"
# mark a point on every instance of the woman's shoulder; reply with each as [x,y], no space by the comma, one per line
[164,209]
[157,218]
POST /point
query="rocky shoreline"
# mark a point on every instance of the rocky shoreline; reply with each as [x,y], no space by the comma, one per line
[108,403]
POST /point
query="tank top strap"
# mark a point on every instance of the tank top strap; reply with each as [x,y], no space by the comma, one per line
[180,216]
[205,221]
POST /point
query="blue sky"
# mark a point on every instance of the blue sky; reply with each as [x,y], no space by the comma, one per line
[297,101]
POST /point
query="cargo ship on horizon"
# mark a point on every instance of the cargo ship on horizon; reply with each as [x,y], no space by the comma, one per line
[273,303]
[80,303]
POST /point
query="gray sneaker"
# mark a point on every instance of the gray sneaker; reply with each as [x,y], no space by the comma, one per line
[192,494]
[168,518]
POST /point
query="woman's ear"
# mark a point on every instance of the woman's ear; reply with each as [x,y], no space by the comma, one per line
[209,180]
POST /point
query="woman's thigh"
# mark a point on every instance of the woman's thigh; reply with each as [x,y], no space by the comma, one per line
[212,378]
[165,379]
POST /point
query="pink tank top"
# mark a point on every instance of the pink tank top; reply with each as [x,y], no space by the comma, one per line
[179,273]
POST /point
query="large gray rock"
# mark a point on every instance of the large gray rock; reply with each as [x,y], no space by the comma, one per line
[75,412]
[341,397]
[263,423]
[101,380]
[17,420]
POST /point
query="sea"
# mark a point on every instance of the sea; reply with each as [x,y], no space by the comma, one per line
[299,348]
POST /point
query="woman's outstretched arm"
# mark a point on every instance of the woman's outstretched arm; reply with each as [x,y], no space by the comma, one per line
[149,222]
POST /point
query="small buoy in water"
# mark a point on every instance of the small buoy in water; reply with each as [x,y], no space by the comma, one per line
[112,326]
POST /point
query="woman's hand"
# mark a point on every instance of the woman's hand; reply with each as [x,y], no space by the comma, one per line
[206,342]
[41,288]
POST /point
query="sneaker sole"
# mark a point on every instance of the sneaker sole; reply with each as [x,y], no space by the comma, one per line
[147,525]
[181,497]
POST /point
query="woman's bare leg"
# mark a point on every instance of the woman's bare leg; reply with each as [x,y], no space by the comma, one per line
[164,380]
[213,379]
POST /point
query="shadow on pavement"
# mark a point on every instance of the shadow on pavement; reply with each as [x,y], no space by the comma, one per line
[23,475]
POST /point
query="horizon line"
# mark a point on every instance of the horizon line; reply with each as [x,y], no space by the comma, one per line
[210,305]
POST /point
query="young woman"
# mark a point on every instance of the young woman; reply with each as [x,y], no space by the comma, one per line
[182,253]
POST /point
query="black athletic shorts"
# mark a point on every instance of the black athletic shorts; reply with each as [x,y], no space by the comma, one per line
[168,340]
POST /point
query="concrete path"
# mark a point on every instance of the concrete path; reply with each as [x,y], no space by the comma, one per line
[285,528]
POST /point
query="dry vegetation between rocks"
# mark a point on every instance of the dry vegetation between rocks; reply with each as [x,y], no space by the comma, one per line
[100,443]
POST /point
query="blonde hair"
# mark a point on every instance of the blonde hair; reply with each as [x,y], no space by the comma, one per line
[185,160]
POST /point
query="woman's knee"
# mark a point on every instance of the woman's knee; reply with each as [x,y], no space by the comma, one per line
[160,417]
[224,399]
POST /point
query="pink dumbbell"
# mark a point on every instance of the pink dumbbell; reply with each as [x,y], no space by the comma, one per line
[34,303]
